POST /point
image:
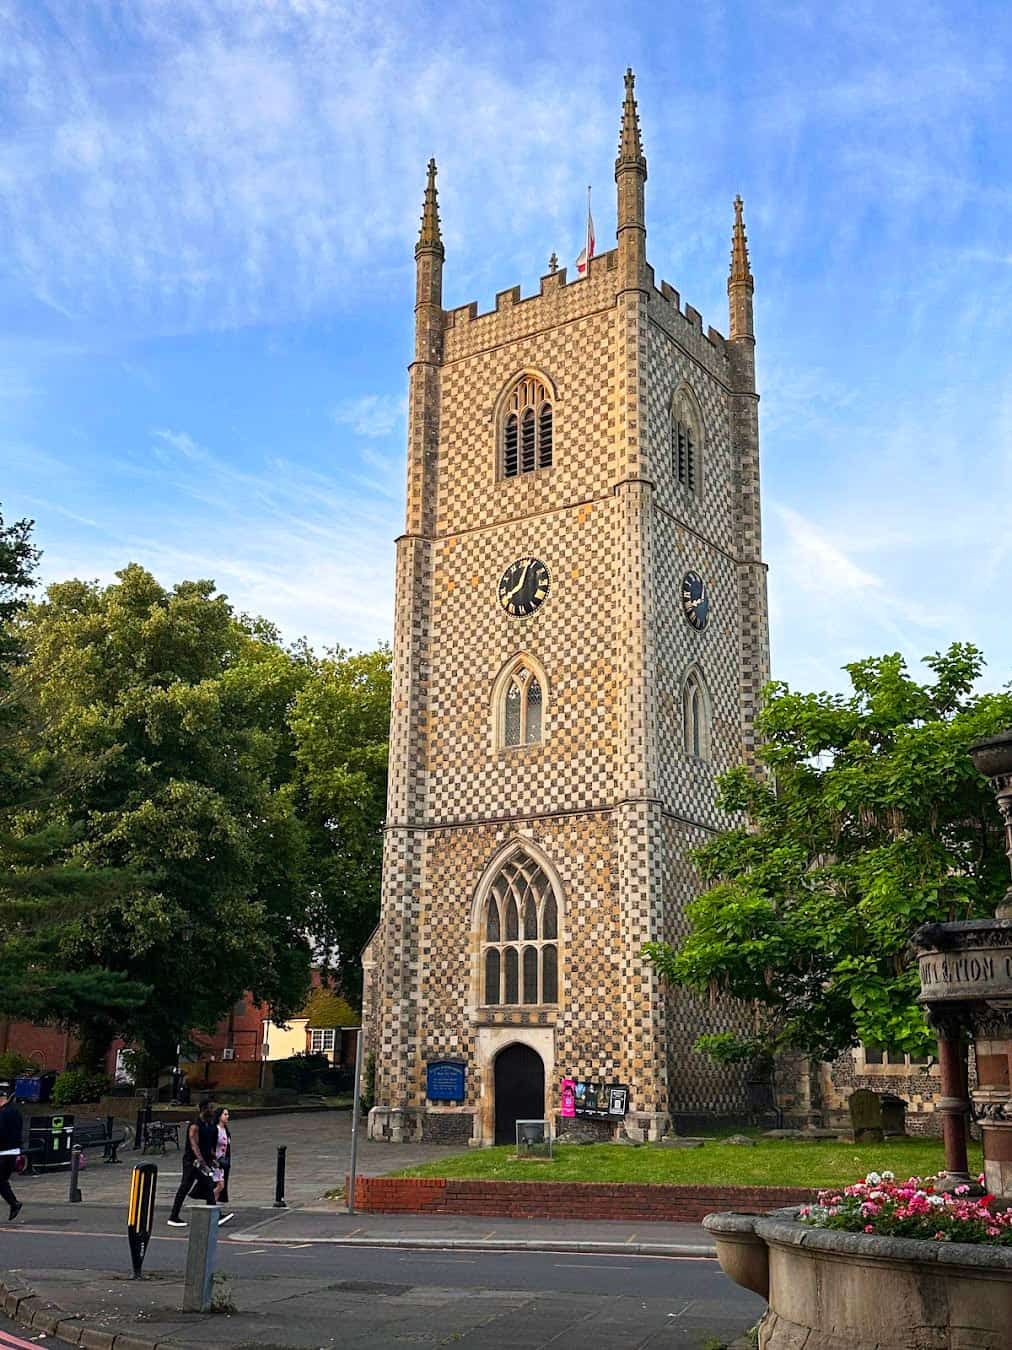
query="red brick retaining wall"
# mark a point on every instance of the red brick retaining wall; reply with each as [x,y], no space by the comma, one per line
[565,1199]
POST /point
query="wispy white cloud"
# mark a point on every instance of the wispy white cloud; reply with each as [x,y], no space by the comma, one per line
[373,415]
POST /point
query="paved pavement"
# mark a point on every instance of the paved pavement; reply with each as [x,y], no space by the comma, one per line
[492,1301]
[318,1144]
[263,1227]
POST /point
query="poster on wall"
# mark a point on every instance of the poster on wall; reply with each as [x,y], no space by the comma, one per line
[567,1098]
[599,1101]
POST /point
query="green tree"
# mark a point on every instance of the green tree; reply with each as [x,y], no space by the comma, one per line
[168,716]
[41,882]
[341,723]
[870,821]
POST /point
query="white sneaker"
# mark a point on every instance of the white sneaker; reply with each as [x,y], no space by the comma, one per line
[176,1223]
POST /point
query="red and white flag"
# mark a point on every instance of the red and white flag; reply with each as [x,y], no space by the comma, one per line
[587,252]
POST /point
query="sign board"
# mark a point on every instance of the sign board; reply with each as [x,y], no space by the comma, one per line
[567,1098]
[973,973]
[444,1080]
[600,1101]
[618,1100]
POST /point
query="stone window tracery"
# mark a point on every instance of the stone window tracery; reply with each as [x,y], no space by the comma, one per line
[522,967]
[519,702]
[527,428]
[696,715]
[686,441]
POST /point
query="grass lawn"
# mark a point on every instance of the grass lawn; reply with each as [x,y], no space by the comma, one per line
[772,1162]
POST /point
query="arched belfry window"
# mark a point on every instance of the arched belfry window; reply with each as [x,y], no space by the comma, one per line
[527,427]
[686,440]
[518,703]
[519,930]
[696,715]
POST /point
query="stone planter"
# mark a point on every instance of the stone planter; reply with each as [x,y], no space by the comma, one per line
[829,1290]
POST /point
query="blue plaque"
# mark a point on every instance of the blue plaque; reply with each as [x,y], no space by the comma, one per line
[444,1080]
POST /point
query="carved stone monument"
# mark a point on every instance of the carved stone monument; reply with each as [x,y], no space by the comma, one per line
[865,1109]
[966,984]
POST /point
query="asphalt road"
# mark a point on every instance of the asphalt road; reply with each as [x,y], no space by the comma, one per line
[692,1289]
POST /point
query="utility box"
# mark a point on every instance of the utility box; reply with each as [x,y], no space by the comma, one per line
[534,1139]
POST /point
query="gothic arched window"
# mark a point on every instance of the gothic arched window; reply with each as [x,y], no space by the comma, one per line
[696,715]
[527,428]
[519,699]
[522,965]
[686,441]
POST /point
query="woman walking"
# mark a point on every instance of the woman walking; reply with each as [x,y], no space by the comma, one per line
[222,1155]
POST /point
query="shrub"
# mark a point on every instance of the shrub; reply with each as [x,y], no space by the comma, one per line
[79,1085]
[13,1063]
[300,1073]
[878,1203]
[368,1100]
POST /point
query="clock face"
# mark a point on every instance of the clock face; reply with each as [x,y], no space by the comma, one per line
[695,600]
[523,587]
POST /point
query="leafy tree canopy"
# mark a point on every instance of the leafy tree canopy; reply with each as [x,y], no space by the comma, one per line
[870,821]
[166,715]
[41,883]
[341,720]
[327,1009]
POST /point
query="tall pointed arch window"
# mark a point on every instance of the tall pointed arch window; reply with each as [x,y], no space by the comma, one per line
[528,428]
[686,441]
[519,701]
[696,715]
[519,929]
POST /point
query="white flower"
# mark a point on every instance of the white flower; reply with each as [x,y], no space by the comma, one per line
[888,1176]
[873,1179]
[936,1201]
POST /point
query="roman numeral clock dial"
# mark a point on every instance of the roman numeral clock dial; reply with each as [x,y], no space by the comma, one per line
[523,587]
[695,601]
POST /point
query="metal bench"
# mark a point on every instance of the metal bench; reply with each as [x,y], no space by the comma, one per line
[92,1133]
[158,1133]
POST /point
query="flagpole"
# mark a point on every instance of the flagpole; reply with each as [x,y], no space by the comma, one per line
[587,253]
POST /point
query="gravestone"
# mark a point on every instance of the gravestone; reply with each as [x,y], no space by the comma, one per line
[865,1109]
[894,1114]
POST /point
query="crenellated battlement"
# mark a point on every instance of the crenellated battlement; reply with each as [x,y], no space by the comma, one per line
[671,305]
[558,299]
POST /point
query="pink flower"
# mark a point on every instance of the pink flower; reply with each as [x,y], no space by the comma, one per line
[868,1228]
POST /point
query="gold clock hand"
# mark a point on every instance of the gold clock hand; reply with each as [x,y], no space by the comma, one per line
[520,584]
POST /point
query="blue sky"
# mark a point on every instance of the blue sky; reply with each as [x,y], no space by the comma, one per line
[207,216]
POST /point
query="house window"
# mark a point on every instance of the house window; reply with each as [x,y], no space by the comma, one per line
[686,441]
[519,696]
[527,428]
[696,715]
[322,1041]
[519,928]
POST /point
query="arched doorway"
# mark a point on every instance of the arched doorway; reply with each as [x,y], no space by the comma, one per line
[519,1090]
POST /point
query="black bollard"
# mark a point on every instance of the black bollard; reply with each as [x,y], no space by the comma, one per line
[139,1130]
[279,1183]
[75,1167]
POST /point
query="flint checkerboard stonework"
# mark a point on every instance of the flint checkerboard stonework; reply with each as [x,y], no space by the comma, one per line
[611,800]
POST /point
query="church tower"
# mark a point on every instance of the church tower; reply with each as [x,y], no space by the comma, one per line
[580,642]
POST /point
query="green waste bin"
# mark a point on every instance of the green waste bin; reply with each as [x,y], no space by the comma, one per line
[49,1139]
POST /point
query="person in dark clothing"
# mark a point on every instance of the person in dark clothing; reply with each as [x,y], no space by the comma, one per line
[198,1165]
[11,1133]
